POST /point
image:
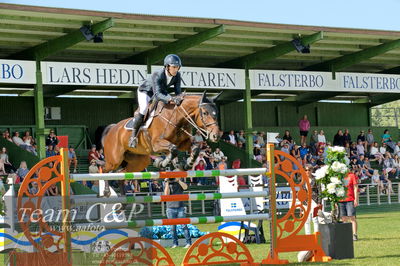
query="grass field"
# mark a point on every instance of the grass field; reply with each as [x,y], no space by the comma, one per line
[379,240]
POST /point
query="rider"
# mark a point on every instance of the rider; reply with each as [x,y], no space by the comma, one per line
[157,85]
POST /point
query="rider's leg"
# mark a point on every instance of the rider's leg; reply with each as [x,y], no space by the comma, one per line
[143,101]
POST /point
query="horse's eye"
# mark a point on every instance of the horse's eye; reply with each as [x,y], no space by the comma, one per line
[205,113]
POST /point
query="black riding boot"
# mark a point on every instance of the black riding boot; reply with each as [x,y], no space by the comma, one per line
[137,121]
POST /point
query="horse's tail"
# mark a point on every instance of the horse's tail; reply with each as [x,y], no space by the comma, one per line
[105,132]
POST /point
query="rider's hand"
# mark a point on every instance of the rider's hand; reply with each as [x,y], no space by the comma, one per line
[177,100]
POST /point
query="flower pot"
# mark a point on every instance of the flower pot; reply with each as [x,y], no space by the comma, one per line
[337,240]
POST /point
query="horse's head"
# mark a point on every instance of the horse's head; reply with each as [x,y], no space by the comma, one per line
[207,118]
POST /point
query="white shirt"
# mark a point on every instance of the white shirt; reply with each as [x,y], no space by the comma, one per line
[382,150]
[232,139]
[321,138]
[374,150]
[168,77]
[18,140]
[375,179]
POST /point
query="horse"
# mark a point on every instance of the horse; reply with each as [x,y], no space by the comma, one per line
[169,132]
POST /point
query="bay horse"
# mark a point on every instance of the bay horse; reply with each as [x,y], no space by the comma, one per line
[169,132]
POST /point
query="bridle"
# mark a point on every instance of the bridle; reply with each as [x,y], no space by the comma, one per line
[203,131]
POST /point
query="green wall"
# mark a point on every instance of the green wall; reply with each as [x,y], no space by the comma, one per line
[285,114]
[91,112]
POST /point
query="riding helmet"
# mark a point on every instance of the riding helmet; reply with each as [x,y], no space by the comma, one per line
[172,60]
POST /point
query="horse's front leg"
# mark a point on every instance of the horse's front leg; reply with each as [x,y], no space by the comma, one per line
[164,146]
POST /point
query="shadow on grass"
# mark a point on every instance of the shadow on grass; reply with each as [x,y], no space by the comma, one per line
[379,257]
[377,238]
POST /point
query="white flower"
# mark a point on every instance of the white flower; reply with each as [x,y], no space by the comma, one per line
[323,187]
[335,180]
[340,191]
[321,172]
[339,167]
[331,188]
[338,149]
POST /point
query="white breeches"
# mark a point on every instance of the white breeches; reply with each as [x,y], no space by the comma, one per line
[307,225]
[143,100]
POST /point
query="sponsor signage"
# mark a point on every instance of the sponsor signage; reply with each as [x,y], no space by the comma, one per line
[322,81]
[16,71]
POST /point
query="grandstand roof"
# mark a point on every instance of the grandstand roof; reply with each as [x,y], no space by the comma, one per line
[30,32]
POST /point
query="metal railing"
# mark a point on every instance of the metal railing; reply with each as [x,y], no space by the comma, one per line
[385,117]
[371,195]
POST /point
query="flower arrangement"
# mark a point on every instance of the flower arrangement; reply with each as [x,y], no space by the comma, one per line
[331,175]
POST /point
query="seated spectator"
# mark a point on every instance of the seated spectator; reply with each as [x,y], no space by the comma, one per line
[52,191]
[338,139]
[261,138]
[129,188]
[9,168]
[360,148]
[314,142]
[240,145]
[21,172]
[197,138]
[51,139]
[370,139]
[95,155]
[397,148]
[396,164]
[387,139]
[347,149]
[388,165]
[155,186]
[254,136]
[72,158]
[375,153]
[222,165]
[376,181]
[241,137]
[296,152]
[304,150]
[6,135]
[241,181]
[34,189]
[209,159]
[200,166]
[93,168]
[353,151]
[285,149]
[28,139]
[50,151]
[363,140]
[2,168]
[387,183]
[354,163]
[217,154]
[321,137]
[346,136]
[95,187]
[365,167]
[19,142]
[232,138]
[287,139]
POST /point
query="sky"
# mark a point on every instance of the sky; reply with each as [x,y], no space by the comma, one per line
[366,14]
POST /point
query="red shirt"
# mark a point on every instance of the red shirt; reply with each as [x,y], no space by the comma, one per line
[350,181]
[200,167]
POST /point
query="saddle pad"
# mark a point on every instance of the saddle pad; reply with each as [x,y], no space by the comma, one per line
[129,125]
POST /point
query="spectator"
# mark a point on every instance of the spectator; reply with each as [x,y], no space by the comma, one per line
[387,139]
[19,142]
[286,148]
[387,183]
[240,145]
[176,209]
[52,191]
[200,166]
[314,142]
[397,148]
[241,181]
[94,154]
[375,153]
[338,139]
[51,139]
[376,181]
[254,135]
[95,187]
[260,139]
[198,138]
[360,148]
[304,127]
[321,137]
[34,189]
[50,151]
[353,151]
[218,154]
[21,172]
[347,136]
[363,140]
[347,149]
[304,150]
[72,158]
[347,207]
[28,139]
[287,138]
[129,188]
[93,168]
[6,135]
[382,149]
[9,168]
[241,137]
[232,137]
[370,139]
[155,186]
[388,165]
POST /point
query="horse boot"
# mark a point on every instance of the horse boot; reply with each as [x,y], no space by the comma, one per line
[137,122]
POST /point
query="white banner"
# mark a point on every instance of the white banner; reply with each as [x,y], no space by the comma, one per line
[322,81]
[58,73]
[17,71]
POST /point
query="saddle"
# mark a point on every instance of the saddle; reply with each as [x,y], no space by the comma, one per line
[154,109]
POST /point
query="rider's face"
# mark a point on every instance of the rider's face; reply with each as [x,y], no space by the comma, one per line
[173,70]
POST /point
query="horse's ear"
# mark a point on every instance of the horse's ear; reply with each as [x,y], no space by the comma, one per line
[203,97]
[215,98]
